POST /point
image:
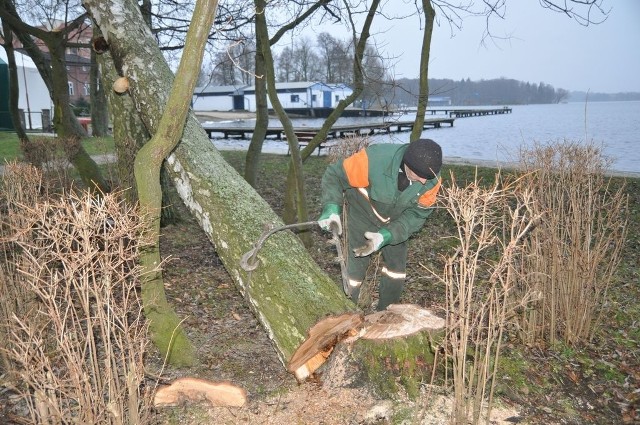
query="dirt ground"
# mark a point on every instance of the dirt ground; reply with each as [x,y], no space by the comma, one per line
[232,346]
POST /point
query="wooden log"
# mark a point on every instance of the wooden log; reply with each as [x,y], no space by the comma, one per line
[184,390]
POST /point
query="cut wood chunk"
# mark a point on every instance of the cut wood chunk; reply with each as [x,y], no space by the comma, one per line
[323,336]
[400,320]
[195,390]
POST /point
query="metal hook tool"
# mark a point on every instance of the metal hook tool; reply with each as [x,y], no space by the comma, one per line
[249,262]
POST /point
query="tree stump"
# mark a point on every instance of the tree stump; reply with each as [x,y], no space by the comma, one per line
[395,346]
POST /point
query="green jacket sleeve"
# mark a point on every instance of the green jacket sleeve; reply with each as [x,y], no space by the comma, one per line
[408,223]
[334,183]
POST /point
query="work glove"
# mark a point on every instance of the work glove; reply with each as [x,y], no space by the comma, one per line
[330,217]
[375,241]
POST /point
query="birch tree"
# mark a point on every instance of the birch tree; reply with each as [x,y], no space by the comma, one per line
[287,290]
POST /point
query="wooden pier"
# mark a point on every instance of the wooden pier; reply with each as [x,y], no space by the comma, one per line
[464,112]
[242,130]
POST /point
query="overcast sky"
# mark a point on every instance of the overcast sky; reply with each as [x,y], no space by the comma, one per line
[543,47]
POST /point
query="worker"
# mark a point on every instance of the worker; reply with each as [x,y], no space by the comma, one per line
[388,191]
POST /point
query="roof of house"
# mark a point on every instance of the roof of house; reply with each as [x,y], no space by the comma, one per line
[219,90]
[300,85]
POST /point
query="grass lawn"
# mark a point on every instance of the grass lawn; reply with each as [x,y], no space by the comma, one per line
[10,146]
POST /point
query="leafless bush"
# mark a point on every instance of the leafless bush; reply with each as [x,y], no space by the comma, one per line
[21,184]
[574,253]
[73,331]
[346,147]
[47,153]
[479,277]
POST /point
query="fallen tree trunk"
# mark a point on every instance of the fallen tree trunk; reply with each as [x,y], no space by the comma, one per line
[288,292]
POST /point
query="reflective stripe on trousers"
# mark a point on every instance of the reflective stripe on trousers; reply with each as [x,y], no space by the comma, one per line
[393,275]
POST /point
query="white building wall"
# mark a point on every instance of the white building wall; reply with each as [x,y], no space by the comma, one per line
[34,94]
[338,94]
[212,103]
[250,102]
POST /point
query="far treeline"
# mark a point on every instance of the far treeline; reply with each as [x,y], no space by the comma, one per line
[499,91]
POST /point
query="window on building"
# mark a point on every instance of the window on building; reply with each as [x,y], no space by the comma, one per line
[313,97]
[71,90]
[87,89]
[337,98]
[295,98]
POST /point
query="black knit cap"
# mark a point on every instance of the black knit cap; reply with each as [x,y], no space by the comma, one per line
[424,157]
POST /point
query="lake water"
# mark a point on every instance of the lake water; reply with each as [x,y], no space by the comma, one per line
[497,138]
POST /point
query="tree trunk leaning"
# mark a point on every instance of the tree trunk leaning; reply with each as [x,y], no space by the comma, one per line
[288,292]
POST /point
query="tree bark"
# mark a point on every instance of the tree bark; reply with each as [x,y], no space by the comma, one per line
[288,292]
[129,133]
[423,94]
[254,152]
[166,332]
[99,106]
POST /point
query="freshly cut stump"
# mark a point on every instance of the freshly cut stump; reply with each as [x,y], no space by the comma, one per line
[184,390]
[393,346]
[400,320]
[321,340]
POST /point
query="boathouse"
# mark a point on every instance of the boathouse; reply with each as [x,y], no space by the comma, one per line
[219,98]
[305,95]
[305,98]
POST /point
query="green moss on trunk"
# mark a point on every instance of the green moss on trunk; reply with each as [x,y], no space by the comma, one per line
[407,362]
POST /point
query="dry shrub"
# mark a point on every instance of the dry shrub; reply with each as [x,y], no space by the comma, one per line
[574,253]
[48,154]
[346,147]
[74,335]
[21,184]
[479,277]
